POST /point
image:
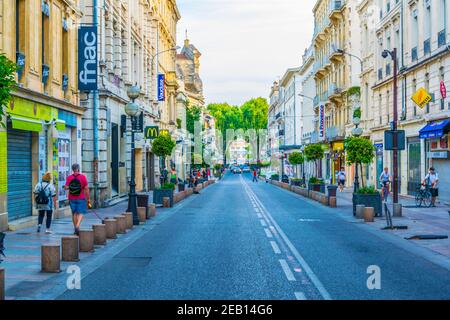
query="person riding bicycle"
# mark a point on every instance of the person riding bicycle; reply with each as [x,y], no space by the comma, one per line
[385,180]
[432,181]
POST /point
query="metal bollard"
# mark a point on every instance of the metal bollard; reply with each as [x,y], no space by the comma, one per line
[369,214]
[86,240]
[70,247]
[360,211]
[121,224]
[141,211]
[111,229]
[166,202]
[129,220]
[99,234]
[2,284]
[51,258]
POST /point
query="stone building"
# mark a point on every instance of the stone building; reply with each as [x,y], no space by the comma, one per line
[42,129]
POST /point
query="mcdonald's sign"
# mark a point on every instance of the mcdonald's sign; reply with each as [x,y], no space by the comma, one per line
[151,132]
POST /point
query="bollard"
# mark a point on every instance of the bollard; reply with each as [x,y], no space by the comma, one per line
[166,202]
[51,258]
[128,220]
[360,211]
[121,224]
[142,215]
[111,228]
[152,210]
[2,284]
[333,202]
[369,214]
[86,240]
[99,234]
[70,247]
[397,210]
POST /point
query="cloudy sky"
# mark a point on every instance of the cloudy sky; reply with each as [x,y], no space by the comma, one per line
[246,44]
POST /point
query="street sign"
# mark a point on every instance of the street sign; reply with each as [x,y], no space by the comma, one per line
[151,132]
[322,122]
[161,87]
[443,90]
[137,123]
[421,98]
[389,140]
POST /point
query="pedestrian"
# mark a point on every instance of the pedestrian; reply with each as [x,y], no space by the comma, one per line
[79,196]
[432,181]
[45,198]
[385,180]
[255,175]
[342,178]
[173,176]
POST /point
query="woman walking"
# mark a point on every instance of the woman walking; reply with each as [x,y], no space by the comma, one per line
[45,201]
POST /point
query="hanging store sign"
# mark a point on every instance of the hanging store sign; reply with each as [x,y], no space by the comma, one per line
[87,58]
[161,87]
[443,89]
[322,122]
[151,132]
[421,98]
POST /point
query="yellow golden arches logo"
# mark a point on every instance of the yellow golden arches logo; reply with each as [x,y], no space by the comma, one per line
[152,132]
[421,97]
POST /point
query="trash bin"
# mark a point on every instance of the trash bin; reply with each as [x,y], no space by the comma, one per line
[142,200]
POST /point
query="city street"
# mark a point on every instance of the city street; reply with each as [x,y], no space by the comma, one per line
[244,240]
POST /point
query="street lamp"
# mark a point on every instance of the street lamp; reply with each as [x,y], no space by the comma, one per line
[393,54]
[357,132]
[132,110]
[341,51]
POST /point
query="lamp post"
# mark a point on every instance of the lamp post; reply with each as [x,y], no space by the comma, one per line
[132,110]
[393,54]
[357,132]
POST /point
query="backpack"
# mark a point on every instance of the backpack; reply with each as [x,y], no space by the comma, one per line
[42,197]
[75,187]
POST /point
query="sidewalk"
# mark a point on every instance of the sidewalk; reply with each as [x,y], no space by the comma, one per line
[420,221]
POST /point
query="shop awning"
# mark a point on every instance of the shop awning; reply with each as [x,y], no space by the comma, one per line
[435,129]
[60,125]
[27,124]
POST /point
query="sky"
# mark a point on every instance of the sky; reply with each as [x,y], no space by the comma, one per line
[246,44]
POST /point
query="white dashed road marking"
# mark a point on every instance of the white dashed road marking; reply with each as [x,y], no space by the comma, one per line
[300,296]
[275,247]
[263,223]
[287,270]
[268,233]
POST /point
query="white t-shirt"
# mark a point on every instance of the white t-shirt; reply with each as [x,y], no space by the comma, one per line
[431,178]
[341,175]
[49,190]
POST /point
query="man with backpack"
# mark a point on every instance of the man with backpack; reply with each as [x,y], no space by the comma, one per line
[45,198]
[79,196]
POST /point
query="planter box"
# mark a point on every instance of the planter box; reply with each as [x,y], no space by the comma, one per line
[142,200]
[159,195]
[297,183]
[317,187]
[368,200]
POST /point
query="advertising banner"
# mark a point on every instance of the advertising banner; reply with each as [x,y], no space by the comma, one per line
[87,58]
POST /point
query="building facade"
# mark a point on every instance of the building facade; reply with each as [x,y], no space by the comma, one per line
[42,130]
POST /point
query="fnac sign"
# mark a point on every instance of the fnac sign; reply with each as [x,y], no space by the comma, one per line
[87,58]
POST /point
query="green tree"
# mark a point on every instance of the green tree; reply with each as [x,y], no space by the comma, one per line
[296,159]
[193,114]
[314,153]
[255,114]
[359,151]
[163,145]
[7,82]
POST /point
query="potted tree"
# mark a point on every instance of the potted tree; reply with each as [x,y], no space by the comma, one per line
[314,153]
[162,147]
[361,151]
[296,159]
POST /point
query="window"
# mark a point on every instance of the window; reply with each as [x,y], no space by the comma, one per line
[65,55]
[45,41]
[20,37]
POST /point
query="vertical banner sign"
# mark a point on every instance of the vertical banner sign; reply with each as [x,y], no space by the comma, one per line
[87,58]
[161,87]
[443,89]
[322,121]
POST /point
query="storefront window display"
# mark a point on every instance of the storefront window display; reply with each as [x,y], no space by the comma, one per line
[64,163]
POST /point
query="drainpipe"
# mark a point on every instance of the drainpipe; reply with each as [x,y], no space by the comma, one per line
[402,52]
[95,120]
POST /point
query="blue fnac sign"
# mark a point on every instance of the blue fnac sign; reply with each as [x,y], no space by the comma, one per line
[161,87]
[87,58]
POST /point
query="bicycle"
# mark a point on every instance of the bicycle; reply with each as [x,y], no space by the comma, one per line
[385,191]
[423,197]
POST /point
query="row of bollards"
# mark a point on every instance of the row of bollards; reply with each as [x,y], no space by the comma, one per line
[366,213]
[71,246]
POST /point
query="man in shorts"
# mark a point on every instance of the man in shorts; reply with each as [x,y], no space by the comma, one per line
[79,196]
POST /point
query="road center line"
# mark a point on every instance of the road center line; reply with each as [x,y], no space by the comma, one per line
[300,296]
[275,247]
[287,270]
[263,223]
[268,233]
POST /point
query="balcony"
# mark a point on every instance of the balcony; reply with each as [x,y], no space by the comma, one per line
[320,29]
[335,133]
[336,7]
[335,93]
[336,56]
[316,101]
[441,38]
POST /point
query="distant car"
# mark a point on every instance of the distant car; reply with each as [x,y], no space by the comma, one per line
[246,169]
[237,170]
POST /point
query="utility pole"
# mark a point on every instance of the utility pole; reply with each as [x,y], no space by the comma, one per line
[395,127]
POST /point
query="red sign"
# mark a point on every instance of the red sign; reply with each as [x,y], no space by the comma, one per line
[443,90]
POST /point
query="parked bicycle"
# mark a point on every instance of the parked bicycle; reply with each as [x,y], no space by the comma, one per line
[423,197]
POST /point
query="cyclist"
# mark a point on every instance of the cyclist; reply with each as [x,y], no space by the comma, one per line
[385,180]
[341,177]
[432,181]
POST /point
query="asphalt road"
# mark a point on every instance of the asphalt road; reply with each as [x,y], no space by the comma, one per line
[244,240]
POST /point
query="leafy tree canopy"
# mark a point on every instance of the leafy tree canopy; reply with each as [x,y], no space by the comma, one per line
[163,145]
[359,150]
[7,82]
[296,158]
[314,152]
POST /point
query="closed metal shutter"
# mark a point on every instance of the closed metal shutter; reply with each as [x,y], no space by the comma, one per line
[19,174]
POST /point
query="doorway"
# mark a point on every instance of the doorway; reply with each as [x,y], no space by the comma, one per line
[115,159]
[150,171]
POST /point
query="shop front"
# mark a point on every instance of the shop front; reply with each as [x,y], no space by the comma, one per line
[436,136]
[337,154]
